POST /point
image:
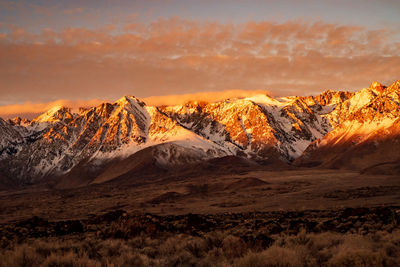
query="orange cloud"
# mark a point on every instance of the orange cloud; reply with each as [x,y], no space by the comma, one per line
[171,100]
[31,110]
[175,56]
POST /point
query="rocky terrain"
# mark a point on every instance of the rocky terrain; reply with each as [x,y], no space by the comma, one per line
[120,224]
[357,131]
[365,133]
[295,181]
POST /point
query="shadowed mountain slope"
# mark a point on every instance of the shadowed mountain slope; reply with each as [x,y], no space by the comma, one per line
[127,138]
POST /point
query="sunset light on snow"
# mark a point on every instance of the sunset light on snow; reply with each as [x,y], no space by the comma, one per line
[83,50]
[243,133]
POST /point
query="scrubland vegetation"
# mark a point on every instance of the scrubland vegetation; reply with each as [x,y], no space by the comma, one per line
[350,237]
[212,249]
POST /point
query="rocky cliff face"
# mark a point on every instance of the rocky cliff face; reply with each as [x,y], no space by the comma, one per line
[365,131]
[313,130]
[58,140]
[11,140]
[258,126]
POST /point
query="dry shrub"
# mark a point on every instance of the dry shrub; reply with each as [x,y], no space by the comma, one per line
[252,260]
[233,247]
[134,260]
[320,248]
[351,242]
[181,258]
[179,248]
[138,242]
[214,257]
[151,251]
[272,257]
[358,258]
[301,239]
[325,240]
[113,248]
[91,248]
[22,255]
[214,239]
[212,249]
[196,246]
[44,249]
[373,250]
[281,256]
[172,246]
[305,257]
[146,245]
[129,228]
[69,260]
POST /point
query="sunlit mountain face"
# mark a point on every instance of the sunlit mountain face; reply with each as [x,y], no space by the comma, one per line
[199,133]
[335,129]
[84,53]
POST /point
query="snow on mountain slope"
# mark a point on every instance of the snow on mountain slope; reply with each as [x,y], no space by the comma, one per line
[367,111]
[161,129]
[11,140]
[305,129]
[267,100]
[237,122]
[260,126]
[365,125]
[59,141]
[57,114]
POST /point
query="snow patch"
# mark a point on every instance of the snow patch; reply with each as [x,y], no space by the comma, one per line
[266,100]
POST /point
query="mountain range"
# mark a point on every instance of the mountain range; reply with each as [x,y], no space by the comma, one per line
[352,130]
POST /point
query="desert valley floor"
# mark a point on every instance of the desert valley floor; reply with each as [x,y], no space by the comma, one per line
[223,216]
[216,192]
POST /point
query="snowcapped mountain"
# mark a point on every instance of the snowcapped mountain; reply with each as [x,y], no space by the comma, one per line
[260,126]
[313,130]
[11,140]
[365,131]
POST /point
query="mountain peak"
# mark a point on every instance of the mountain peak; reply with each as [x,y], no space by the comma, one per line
[394,86]
[266,100]
[19,121]
[259,127]
[54,114]
[195,103]
[377,86]
[129,99]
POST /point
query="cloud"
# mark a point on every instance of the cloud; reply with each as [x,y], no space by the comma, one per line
[70,11]
[177,56]
[171,100]
[31,110]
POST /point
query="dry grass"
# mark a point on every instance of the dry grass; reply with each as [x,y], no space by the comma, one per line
[211,249]
[346,237]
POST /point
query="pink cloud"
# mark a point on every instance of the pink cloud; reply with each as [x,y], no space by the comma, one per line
[175,56]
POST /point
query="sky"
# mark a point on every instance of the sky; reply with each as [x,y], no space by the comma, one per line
[84,52]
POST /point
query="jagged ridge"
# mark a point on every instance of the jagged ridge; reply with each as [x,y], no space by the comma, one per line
[258,127]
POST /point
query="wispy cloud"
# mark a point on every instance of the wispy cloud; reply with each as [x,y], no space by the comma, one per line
[174,56]
[180,99]
[31,110]
[71,11]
